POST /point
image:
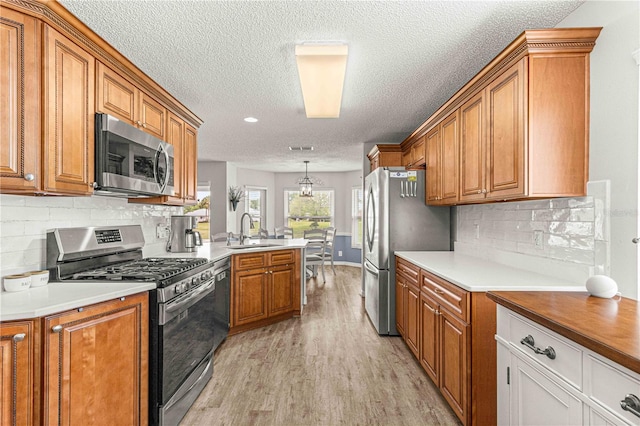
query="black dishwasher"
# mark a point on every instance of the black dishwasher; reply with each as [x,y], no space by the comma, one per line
[221,301]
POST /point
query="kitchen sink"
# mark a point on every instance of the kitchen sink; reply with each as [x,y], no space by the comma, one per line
[250,246]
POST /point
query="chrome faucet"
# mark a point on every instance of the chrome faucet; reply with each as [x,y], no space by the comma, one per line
[242,236]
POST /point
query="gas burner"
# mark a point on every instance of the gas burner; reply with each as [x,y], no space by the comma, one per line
[150,269]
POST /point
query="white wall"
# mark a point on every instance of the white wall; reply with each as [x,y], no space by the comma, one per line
[613,157]
[614,124]
[25,221]
[215,172]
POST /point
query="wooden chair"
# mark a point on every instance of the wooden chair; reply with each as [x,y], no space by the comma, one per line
[329,248]
[284,232]
[315,251]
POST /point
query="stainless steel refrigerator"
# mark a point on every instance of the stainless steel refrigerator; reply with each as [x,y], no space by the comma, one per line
[396,219]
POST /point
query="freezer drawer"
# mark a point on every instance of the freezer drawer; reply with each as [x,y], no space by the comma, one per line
[379,301]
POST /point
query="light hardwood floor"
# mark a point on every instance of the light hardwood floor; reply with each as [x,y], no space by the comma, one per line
[327,367]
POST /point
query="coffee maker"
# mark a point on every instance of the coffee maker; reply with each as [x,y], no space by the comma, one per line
[183,238]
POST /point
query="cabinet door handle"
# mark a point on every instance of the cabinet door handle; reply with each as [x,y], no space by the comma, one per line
[530,342]
[57,329]
[19,337]
[631,403]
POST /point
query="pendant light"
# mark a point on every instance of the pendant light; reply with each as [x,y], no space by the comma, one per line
[305,183]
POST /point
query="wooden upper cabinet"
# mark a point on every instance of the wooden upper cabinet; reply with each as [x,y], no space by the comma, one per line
[413,156]
[153,116]
[449,165]
[20,103]
[442,162]
[385,156]
[115,95]
[96,363]
[175,133]
[505,133]
[434,158]
[523,123]
[69,108]
[19,372]
[119,97]
[472,149]
[190,164]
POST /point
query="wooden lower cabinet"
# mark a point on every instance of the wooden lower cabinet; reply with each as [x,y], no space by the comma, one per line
[412,305]
[266,288]
[408,304]
[96,364]
[19,372]
[454,342]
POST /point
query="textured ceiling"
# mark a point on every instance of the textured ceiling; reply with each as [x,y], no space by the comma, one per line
[226,60]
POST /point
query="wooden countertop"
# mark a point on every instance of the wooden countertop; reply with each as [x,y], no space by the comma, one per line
[609,327]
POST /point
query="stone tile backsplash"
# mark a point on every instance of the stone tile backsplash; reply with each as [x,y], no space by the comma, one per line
[25,221]
[552,234]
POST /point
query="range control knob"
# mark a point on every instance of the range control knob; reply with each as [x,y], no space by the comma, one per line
[177,289]
[195,281]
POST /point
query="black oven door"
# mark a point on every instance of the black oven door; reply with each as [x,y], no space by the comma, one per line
[186,337]
[131,161]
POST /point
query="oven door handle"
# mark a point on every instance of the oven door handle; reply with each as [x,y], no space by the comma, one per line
[172,309]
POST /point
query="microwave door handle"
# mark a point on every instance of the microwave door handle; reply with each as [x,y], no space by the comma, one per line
[161,151]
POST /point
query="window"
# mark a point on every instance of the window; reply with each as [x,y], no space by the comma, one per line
[356,217]
[302,213]
[201,210]
[256,205]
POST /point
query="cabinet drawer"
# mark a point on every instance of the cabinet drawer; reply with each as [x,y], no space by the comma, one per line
[607,385]
[249,260]
[568,358]
[410,271]
[453,298]
[280,257]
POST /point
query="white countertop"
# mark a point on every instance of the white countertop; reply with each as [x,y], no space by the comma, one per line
[475,274]
[216,251]
[61,296]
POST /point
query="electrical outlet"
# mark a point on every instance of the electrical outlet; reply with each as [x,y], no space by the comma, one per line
[476,227]
[537,239]
[339,253]
[162,231]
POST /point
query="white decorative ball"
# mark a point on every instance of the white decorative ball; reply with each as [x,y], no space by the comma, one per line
[602,286]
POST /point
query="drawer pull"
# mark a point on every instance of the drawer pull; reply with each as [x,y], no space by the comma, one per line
[438,291]
[631,403]
[530,342]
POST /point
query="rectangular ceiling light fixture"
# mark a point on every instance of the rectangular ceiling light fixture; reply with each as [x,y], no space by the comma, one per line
[300,148]
[321,68]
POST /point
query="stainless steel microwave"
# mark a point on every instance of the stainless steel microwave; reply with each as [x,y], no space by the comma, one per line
[130,162]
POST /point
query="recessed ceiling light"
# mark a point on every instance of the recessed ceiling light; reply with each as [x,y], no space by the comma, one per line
[251,120]
[300,148]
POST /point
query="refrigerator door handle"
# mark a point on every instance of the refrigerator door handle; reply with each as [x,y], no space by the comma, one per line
[371,269]
[415,188]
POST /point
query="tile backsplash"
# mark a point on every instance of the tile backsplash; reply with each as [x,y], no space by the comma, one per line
[563,236]
[25,221]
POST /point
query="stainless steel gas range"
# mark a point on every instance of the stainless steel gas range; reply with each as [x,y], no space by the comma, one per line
[182,316]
